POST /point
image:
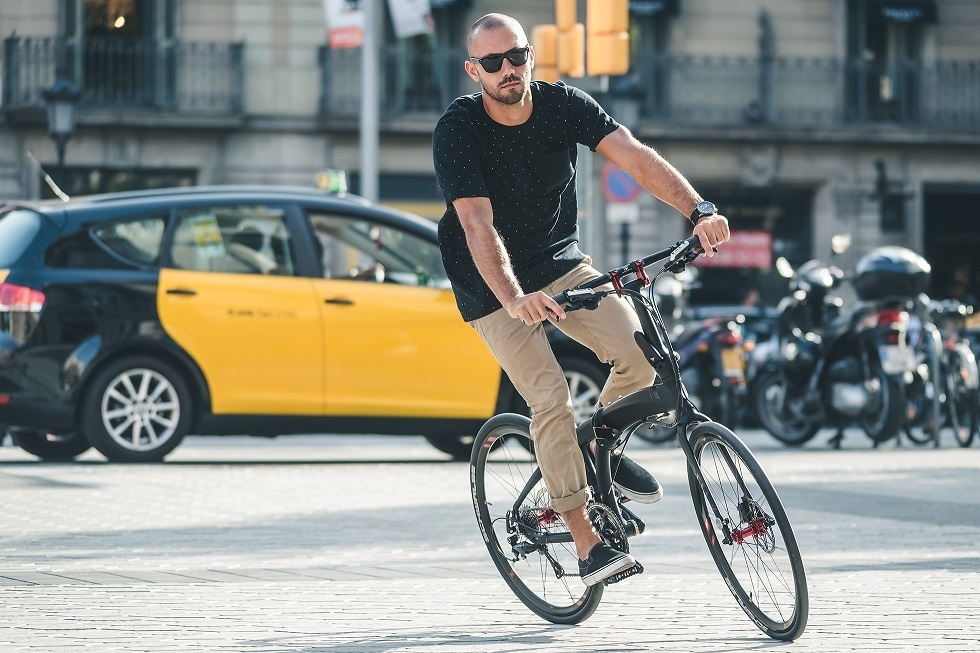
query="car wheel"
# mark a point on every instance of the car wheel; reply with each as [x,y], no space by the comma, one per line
[50,447]
[457,446]
[136,409]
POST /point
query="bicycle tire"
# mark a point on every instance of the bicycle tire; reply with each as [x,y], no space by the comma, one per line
[962,396]
[501,463]
[761,565]
[924,408]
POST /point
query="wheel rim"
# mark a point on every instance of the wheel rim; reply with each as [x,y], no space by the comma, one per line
[140,410]
[757,557]
[585,394]
[506,469]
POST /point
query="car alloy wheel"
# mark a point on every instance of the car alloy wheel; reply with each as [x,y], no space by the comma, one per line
[140,410]
[136,410]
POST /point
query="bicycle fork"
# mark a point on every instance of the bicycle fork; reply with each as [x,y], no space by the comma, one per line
[757,521]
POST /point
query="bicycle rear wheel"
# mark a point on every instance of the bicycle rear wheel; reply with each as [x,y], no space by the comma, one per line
[751,539]
[544,576]
[962,415]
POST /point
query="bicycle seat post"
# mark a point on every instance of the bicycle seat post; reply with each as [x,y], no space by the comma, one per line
[605,439]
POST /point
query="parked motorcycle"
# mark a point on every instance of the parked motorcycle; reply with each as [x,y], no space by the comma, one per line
[836,366]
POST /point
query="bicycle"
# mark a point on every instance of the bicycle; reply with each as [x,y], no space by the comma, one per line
[945,391]
[741,517]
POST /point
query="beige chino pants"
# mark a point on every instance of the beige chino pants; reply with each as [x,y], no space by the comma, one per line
[525,355]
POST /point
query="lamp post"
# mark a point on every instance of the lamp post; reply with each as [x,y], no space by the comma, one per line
[62,105]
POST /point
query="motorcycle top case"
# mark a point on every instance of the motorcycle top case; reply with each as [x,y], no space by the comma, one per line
[890,272]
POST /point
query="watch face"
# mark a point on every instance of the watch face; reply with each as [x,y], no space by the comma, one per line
[706,208]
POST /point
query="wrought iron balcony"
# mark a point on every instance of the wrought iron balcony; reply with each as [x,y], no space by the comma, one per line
[173,76]
[781,92]
[795,92]
[413,82]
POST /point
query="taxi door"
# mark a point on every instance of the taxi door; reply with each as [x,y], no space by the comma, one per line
[395,344]
[230,298]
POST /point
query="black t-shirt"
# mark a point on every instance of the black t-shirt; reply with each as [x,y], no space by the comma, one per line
[528,173]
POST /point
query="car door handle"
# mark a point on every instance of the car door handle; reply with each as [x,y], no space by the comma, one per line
[342,301]
[181,291]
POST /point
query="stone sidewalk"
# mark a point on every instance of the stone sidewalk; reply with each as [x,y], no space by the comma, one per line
[336,544]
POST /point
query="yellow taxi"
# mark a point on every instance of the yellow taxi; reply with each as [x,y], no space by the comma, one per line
[130,320]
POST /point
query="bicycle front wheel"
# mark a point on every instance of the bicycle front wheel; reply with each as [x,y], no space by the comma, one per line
[748,533]
[528,541]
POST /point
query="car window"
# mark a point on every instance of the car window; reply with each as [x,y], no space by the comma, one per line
[110,246]
[17,231]
[238,239]
[361,249]
[136,240]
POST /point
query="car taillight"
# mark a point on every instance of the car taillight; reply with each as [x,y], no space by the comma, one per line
[20,299]
[20,307]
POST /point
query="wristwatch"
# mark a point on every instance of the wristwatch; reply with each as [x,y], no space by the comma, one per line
[701,210]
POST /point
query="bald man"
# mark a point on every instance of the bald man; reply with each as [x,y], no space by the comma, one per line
[505,160]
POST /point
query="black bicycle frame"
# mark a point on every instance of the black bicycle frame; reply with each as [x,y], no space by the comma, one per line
[612,425]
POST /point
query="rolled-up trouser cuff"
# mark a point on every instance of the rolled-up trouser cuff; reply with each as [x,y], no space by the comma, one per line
[571,502]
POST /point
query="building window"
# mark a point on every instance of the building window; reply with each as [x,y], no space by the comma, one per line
[885,57]
[121,51]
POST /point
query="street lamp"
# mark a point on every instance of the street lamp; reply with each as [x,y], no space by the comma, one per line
[62,104]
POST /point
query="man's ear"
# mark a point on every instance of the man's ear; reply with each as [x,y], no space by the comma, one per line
[530,57]
[471,71]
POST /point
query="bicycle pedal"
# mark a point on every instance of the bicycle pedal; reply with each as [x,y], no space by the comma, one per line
[636,569]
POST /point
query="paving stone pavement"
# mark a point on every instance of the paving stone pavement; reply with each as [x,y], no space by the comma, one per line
[363,544]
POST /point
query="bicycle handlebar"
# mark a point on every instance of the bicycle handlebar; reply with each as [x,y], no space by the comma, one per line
[682,251]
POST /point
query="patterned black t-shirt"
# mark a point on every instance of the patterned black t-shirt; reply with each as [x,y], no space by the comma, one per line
[528,173]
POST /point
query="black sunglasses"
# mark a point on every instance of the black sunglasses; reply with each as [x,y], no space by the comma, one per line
[492,62]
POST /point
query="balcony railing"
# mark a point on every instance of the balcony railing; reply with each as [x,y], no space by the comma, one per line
[173,76]
[426,82]
[704,91]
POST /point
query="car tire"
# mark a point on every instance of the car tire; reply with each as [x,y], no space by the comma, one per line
[457,446]
[136,409]
[50,447]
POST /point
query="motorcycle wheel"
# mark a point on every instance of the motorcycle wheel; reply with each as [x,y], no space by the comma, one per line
[884,423]
[791,430]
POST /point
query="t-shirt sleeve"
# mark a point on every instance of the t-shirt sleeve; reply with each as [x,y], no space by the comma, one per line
[592,123]
[454,154]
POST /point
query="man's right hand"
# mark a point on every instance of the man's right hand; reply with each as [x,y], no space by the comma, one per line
[534,308]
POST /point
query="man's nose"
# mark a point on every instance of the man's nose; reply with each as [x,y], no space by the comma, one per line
[507,66]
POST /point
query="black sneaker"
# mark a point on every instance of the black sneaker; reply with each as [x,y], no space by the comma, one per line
[603,562]
[636,483]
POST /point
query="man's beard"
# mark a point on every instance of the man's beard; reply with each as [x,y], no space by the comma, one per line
[508,96]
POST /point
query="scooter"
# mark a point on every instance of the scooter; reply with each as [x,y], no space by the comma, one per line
[835,366]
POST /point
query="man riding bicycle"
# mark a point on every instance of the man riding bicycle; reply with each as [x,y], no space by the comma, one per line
[505,160]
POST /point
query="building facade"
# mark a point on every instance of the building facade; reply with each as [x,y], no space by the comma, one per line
[801,119]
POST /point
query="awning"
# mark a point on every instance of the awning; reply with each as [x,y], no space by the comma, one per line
[903,11]
[654,7]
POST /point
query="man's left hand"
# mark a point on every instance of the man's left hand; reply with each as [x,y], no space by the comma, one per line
[712,230]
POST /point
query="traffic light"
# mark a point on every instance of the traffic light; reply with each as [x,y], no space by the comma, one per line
[608,49]
[571,40]
[545,41]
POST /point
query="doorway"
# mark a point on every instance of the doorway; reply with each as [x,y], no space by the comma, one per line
[952,239]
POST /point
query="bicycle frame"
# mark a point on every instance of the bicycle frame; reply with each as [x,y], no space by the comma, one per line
[611,426]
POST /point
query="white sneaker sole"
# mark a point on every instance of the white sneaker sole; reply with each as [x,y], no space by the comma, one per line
[640,498]
[613,567]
